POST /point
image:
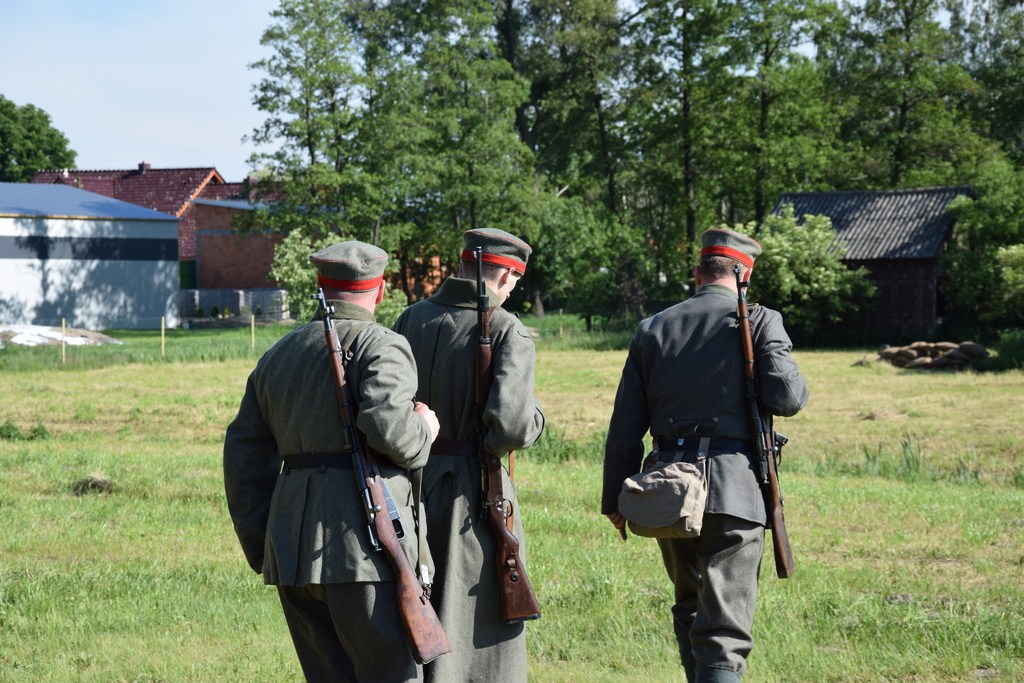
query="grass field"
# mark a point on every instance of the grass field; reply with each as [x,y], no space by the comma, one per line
[904,497]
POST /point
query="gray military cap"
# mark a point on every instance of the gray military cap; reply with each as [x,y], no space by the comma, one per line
[499,248]
[350,266]
[731,244]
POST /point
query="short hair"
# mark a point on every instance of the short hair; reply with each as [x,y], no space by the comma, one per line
[491,271]
[718,267]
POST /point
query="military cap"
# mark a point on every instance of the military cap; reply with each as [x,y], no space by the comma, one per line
[498,247]
[731,244]
[350,266]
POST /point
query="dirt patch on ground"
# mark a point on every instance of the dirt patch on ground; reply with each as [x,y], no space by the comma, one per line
[40,335]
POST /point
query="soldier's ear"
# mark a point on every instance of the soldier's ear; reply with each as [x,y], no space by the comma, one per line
[380,293]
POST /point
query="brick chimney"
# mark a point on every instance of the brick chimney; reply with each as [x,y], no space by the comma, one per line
[143,167]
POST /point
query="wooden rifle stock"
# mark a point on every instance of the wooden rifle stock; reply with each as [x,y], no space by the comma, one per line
[518,601]
[423,630]
[767,443]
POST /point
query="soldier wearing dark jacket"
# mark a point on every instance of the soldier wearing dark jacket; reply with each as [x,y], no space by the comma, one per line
[443,333]
[684,380]
[290,485]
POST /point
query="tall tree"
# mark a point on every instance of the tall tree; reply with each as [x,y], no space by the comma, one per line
[895,69]
[332,173]
[570,54]
[394,123]
[780,130]
[481,170]
[990,35]
[29,143]
[679,81]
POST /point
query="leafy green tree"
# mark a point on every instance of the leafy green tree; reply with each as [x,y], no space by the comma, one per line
[780,130]
[893,68]
[802,275]
[990,44]
[335,92]
[570,53]
[975,270]
[481,174]
[394,123]
[1010,260]
[29,143]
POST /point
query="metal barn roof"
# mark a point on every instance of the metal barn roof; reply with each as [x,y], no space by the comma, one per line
[898,224]
[61,201]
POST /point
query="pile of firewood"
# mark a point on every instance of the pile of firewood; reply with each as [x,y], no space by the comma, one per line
[934,355]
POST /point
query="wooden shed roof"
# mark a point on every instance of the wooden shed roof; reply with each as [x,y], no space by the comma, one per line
[896,224]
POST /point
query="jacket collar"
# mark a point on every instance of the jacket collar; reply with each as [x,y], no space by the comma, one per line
[716,289]
[457,291]
[346,310]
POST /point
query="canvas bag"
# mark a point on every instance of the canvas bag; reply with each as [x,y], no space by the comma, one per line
[666,499]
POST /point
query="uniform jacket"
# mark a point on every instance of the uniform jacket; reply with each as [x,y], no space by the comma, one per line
[308,526]
[443,333]
[683,377]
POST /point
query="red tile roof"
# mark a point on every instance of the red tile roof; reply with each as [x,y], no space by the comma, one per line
[168,190]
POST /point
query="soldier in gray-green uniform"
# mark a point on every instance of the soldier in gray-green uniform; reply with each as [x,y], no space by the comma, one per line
[443,333]
[290,485]
[684,379]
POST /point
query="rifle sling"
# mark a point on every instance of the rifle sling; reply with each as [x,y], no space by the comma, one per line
[416,476]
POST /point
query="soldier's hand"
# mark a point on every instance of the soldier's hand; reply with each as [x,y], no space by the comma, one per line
[428,415]
[619,522]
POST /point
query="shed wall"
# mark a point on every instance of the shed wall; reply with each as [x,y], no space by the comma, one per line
[908,299]
[92,273]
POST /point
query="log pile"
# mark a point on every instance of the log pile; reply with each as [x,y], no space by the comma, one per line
[934,355]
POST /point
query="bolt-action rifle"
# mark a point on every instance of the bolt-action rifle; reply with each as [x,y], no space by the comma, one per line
[423,630]
[518,602]
[767,443]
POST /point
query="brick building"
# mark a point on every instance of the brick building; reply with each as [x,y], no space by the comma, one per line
[167,190]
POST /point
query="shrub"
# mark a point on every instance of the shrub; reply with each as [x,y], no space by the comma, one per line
[1009,352]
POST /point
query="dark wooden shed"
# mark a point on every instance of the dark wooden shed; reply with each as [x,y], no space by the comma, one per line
[899,236]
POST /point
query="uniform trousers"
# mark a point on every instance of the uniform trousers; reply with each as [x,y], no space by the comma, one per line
[715,577]
[349,632]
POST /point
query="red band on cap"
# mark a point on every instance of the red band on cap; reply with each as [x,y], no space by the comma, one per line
[505,261]
[349,285]
[729,252]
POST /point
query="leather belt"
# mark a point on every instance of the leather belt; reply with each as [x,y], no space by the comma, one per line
[454,447]
[313,461]
[716,446]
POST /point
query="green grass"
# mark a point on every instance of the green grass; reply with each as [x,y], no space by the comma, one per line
[904,498]
[146,347]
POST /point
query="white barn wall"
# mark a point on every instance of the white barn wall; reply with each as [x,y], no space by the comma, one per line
[97,273]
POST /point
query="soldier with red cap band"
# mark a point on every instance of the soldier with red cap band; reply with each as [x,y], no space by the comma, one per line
[443,332]
[683,381]
[291,488]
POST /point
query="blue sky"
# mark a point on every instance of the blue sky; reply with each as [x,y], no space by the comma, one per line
[126,81]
